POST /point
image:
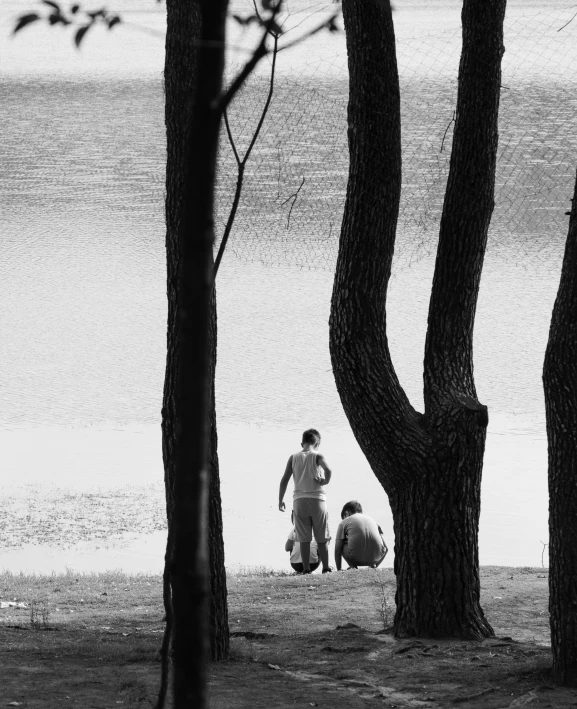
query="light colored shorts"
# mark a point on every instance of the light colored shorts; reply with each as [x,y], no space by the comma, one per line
[311,517]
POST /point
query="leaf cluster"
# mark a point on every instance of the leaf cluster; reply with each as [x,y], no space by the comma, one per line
[82,20]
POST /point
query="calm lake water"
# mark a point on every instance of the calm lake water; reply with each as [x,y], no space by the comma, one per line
[82,291]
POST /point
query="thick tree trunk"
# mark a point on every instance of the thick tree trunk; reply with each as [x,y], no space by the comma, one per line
[436,520]
[190,362]
[430,465]
[560,384]
[183,27]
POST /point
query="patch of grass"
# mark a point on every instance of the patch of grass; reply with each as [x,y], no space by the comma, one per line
[256,571]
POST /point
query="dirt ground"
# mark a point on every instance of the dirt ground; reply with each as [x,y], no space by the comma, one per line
[297,641]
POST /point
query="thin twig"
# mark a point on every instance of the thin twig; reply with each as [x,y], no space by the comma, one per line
[268,100]
[567,23]
[259,53]
[279,169]
[294,199]
[326,23]
[230,138]
[446,130]
[545,545]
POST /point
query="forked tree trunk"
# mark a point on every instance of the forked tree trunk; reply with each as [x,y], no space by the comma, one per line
[429,464]
[560,384]
[183,28]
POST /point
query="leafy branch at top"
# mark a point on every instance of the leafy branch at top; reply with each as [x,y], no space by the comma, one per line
[82,20]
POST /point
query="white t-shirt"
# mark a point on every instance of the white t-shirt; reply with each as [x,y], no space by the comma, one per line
[304,464]
[296,557]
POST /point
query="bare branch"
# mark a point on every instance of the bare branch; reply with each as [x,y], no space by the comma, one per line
[294,199]
[230,138]
[242,163]
[262,51]
[230,221]
[567,23]
[268,100]
[327,24]
[446,131]
[270,28]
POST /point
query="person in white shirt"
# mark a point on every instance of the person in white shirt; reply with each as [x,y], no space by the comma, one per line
[359,540]
[310,474]
[294,548]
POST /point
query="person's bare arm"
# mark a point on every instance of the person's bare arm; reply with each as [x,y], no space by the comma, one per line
[383,538]
[339,544]
[283,484]
[328,472]
[289,545]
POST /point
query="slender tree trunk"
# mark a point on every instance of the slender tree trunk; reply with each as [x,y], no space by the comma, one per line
[190,362]
[560,384]
[430,465]
[183,27]
[219,630]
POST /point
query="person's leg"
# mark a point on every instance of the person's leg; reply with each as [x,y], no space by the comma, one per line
[350,559]
[303,530]
[320,522]
[324,554]
[378,563]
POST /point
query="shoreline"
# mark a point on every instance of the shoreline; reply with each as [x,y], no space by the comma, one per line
[315,640]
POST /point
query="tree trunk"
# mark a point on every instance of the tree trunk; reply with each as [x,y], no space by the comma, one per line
[183,26]
[190,362]
[430,465]
[560,384]
[219,630]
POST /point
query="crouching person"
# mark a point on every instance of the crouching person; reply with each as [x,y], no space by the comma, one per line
[359,539]
[296,560]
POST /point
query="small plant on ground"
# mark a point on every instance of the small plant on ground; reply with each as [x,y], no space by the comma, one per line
[386,603]
[39,615]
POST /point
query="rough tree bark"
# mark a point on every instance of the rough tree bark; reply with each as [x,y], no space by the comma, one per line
[429,464]
[187,393]
[560,385]
[183,28]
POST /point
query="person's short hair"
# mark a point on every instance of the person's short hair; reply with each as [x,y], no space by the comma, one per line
[311,435]
[351,507]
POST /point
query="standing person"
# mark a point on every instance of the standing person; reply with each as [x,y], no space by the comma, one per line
[359,539]
[309,507]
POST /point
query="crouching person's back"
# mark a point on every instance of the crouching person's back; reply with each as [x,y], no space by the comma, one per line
[359,539]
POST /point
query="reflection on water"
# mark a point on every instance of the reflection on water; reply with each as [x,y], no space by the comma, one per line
[82,291]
